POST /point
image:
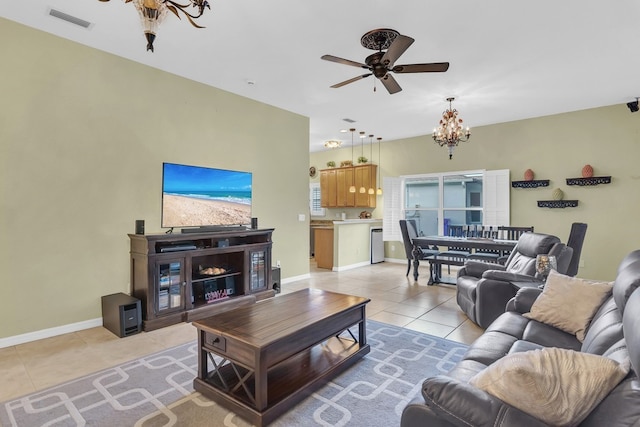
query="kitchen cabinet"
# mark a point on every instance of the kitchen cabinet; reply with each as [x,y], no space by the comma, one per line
[324,247]
[335,184]
[344,179]
[365,176]
[328,187]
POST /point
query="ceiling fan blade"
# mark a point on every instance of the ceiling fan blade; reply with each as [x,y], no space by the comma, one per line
[346,82]
[391,84]
[397,48]
[435,67]
[344,61]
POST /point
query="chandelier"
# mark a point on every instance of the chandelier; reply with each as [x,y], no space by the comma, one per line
[450,131]
[333,143]
[152,12]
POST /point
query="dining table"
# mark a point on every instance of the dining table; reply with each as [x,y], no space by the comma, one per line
[471,243]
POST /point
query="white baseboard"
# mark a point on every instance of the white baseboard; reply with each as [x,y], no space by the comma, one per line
[295,278]
[352,266]
[50,332]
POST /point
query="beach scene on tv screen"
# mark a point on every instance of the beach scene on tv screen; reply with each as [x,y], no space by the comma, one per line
[195,196]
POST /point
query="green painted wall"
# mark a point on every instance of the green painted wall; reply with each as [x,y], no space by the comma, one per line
[554,147]
[83,135]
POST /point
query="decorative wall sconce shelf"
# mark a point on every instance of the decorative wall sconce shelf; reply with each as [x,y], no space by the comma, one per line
[535,183]
[557,203]
[594,180]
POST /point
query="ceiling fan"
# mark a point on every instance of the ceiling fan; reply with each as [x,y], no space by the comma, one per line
[380,64]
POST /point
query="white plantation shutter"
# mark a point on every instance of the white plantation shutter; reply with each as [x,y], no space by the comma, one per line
[392,198]
[496,197]
[315,209]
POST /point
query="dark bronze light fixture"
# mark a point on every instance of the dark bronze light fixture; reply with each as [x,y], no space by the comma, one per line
[152,12]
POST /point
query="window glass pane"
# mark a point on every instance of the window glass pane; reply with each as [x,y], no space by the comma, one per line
[426,221]
[457,220]
[462,191]
[421,193]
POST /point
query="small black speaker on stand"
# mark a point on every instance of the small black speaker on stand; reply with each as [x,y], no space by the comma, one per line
[139,226]
[254,223]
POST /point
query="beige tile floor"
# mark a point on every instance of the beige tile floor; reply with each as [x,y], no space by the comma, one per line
[395,299]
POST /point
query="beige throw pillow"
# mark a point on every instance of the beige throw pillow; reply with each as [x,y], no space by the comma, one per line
[569,303]
[559,387]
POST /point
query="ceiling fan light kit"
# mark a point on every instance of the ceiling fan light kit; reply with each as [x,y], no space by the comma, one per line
[381,64]
[450,131]
[152,12]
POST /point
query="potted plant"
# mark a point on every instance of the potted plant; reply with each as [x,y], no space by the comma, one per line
[331,164]
[362,159]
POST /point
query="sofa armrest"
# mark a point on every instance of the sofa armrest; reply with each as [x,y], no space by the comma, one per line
[506,276]
[478,268]
[524,299]
[462,404]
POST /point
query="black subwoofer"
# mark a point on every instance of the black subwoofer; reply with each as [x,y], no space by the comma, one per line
[275,279]
[121,314]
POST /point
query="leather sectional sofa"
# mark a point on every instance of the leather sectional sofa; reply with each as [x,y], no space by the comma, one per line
[613,332]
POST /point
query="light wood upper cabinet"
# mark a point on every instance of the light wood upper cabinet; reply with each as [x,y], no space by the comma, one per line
[344,181]
[328,188]
[335,183]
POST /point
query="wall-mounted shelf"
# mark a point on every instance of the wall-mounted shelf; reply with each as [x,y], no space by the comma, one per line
[535,183]
[557,203]
[594,180]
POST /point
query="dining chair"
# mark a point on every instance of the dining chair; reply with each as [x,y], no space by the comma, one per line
[487,255]
[512,233]
[457,251]
[408,229]
[576,239]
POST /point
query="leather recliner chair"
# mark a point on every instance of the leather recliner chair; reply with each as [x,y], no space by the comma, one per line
[484,289]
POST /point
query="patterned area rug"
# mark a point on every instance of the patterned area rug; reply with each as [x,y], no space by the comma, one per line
[157,390]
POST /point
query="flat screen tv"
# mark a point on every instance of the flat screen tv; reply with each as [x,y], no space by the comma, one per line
[195,196]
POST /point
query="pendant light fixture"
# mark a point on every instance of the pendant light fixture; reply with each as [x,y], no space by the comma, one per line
[379,167]
[352,189]
[371,189]
[362,135]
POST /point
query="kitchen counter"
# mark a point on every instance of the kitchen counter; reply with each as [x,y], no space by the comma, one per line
[343,244]
[358,221]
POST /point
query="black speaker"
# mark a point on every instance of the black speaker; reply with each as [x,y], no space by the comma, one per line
[275,279]
[139,226]
[633,106]
[254,223]
[121,314]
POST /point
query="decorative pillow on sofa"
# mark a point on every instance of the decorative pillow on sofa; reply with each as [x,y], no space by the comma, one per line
[558,386]
[569,303]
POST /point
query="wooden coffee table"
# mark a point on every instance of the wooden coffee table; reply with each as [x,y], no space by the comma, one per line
[278,351]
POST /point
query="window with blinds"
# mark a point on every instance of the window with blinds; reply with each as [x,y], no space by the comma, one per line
[315,208]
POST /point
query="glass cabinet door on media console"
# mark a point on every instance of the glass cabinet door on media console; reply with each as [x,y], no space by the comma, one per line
[258,271]
[170,286]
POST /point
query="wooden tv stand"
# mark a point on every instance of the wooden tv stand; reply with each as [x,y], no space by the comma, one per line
[190,276]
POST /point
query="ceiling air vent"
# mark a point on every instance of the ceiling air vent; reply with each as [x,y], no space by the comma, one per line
[72,19]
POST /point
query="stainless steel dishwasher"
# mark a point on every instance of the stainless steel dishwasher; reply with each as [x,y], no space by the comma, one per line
[377,245]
